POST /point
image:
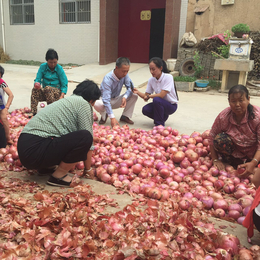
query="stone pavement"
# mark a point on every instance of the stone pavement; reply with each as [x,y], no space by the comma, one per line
[196,112]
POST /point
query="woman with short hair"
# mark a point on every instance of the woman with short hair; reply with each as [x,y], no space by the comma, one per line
[61,134]
[53,80]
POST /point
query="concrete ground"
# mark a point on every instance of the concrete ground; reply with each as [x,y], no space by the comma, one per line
[196,112]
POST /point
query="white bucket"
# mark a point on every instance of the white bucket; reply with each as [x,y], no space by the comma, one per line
[171,64]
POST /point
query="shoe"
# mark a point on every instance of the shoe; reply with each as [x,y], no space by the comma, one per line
[126,119]
[101,121]
[59,182]
[47,171]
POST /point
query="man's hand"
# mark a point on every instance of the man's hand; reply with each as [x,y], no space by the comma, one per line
[135,90]
[123,104]
[114,122]
[62,95]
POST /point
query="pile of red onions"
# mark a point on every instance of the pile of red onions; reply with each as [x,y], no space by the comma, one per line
[159,163]
[162,165]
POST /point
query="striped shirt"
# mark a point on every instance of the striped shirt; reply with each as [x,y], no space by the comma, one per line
[64,116]
[246,135]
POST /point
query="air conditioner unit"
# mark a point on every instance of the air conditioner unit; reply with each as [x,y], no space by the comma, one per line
[227,2]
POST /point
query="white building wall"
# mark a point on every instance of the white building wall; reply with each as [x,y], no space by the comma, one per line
[183,18]
[75,43]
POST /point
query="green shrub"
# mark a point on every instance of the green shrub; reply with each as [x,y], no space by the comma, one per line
[198,68]
[241,27]
[185,78]
[214,84]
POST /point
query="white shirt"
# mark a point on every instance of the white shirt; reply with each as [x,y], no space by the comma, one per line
[165,82]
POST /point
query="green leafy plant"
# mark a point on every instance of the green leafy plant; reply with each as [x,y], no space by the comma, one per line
[241,27]
[214,84]
[198,68]
[185,78]
[223,50]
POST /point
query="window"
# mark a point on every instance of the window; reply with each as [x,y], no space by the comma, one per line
[22,11]
[74,11]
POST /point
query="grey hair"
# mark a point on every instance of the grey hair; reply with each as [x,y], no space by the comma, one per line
[122,61]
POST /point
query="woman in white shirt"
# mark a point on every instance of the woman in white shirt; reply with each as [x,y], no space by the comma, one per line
[161,90]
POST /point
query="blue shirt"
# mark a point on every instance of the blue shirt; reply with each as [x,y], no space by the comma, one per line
[56,78]
[111,87]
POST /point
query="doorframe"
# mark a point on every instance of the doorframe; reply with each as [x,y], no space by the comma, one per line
[109,30]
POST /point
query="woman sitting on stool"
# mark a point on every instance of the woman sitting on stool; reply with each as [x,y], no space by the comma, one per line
[53,80]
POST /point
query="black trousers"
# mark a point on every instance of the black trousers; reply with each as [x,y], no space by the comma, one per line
[37,153]
[2,136]
[256,220]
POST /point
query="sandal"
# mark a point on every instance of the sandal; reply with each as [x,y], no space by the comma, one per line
[59,182]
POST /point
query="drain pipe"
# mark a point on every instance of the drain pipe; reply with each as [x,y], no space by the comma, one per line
[2,24]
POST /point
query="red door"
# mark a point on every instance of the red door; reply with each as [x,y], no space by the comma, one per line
[133,32]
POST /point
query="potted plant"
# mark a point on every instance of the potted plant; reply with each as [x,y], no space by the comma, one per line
[185,83]
[240,29]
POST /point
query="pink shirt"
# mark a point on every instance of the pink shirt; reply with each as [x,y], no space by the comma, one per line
[246,135]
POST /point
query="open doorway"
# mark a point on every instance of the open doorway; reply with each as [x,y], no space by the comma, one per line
[157,32]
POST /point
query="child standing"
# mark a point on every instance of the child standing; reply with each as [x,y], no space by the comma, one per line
[4,106]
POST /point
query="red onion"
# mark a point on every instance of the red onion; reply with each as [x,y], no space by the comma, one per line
[196,164]
[240,220]
[245,202]
[137,168]
[190,169]
[235,206]
[185,163]
[207,202]
[219,213]
[239,194]
[229,188]
[143,174]
[123,170]
[178,157]
[165,195]
[229,243]
[234,214]
[174,185]
[246,210]
[199,194]
[188,195]
[223,254]
[105,177]
[214,171]
[177,178]
[184,204]
[220,204]
[164,173]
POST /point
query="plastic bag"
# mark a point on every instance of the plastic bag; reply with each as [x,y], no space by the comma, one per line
[188,39]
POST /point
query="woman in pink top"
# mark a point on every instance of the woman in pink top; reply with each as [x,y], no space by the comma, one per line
[235,134]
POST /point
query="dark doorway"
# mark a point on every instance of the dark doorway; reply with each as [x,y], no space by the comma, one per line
[157,33]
